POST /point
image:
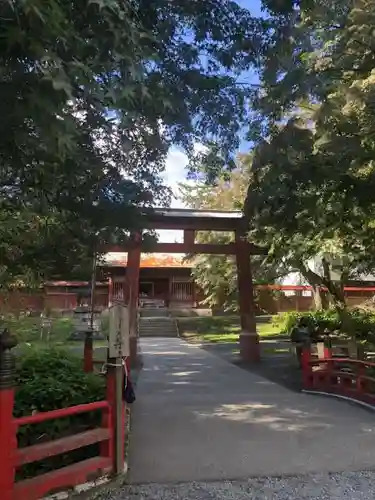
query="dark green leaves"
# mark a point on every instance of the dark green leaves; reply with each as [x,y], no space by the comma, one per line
[93,95]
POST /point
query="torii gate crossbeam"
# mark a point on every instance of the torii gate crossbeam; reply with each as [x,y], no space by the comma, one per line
[191,221]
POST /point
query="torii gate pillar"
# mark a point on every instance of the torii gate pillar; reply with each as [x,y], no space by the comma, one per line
[249,340]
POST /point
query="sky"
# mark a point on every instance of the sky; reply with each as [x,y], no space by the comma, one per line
[175,171]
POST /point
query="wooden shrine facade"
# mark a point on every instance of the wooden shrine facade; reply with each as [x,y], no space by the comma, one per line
[191,221]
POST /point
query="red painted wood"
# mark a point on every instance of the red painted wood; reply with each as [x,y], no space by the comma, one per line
[8,444]
[88,355]
[346,361]
[108,418]
[37,487]
[309,288]
[197,223]
[327,352]
[132,275]
[249,344]
[64,412]
[361,369]
[307,375]
[325,375]
[208,248]
[189,236]
[59,446]
[122,442]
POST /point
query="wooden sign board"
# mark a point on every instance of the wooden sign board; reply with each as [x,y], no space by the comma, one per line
[118,331]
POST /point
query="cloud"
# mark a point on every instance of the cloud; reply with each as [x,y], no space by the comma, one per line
[175,172]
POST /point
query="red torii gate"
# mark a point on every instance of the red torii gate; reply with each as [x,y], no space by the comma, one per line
[191,221]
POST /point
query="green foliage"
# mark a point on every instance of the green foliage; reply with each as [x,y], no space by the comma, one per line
[53,378]
[216,275]
[29,328]
[50,379]
[313,177]
[358,324]
[93,95]
[316,319]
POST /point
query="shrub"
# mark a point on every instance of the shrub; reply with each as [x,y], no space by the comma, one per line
[49,379]
[357,323]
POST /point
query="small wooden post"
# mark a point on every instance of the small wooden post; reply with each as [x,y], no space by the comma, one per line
[132,274]
[360,381]
[108,419]
[327,349]
[118,350]
[8,439]
[115,399]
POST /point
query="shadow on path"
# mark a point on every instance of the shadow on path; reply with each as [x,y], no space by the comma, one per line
[198,417]
[277,363]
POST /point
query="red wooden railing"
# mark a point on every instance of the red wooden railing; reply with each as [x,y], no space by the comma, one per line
[13,457]
[39,486]
[348,378]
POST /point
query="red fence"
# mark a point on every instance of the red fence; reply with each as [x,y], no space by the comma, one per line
[13,457]
[348,378]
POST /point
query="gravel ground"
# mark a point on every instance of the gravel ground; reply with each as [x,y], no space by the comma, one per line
[353,486]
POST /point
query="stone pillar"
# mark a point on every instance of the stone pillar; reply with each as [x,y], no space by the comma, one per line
[8,440]
[132,280]
[249,340]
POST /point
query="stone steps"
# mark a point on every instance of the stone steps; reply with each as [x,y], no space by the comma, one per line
[157,327]
[154,312]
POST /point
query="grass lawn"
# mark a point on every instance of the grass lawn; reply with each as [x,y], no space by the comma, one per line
[220,329]
[28,329]
[29,332]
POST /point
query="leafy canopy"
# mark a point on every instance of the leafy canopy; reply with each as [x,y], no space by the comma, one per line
[93,95]
[312,182]
[216,275]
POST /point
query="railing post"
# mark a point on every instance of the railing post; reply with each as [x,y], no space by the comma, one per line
[8,439]
[116,422]
[361,370]
[306,367]
[108,421]
[88,352]
[328,354]
[327,348]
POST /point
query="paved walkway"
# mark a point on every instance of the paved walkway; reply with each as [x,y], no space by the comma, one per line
[200,418]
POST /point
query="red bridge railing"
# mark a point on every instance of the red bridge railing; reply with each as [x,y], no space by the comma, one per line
[39,486]
[349,378]
[12,457]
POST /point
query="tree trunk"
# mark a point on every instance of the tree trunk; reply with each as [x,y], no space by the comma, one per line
[320,300]
[336,295]
[336,291]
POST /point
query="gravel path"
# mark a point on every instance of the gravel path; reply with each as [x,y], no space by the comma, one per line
[344,486]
